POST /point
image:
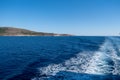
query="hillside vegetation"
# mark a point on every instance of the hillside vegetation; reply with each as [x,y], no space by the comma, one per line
[10,31]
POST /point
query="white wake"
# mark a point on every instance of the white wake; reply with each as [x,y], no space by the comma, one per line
[103,61]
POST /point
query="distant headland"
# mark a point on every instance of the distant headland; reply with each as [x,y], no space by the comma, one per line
[11,31]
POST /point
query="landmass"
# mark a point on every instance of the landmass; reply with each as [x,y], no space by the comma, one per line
[11,31]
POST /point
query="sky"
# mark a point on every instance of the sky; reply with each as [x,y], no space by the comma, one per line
[78,17]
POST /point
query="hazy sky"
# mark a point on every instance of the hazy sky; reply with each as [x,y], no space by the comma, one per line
[81,17]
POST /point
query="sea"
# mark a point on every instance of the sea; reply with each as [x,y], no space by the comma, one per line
[59,58]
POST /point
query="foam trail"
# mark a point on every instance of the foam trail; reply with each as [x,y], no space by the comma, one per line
[103,61]
[76,64]
[99,64]
[106,60]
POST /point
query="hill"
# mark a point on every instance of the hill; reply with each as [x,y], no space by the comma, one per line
[10,31]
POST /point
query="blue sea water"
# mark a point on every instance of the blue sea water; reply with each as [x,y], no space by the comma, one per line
[59,58]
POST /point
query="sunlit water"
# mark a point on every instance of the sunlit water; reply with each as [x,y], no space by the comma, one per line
[59,58]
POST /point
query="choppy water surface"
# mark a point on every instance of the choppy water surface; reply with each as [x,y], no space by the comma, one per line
[60,58]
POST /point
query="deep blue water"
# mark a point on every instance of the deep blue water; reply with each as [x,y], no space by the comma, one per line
[60,58]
